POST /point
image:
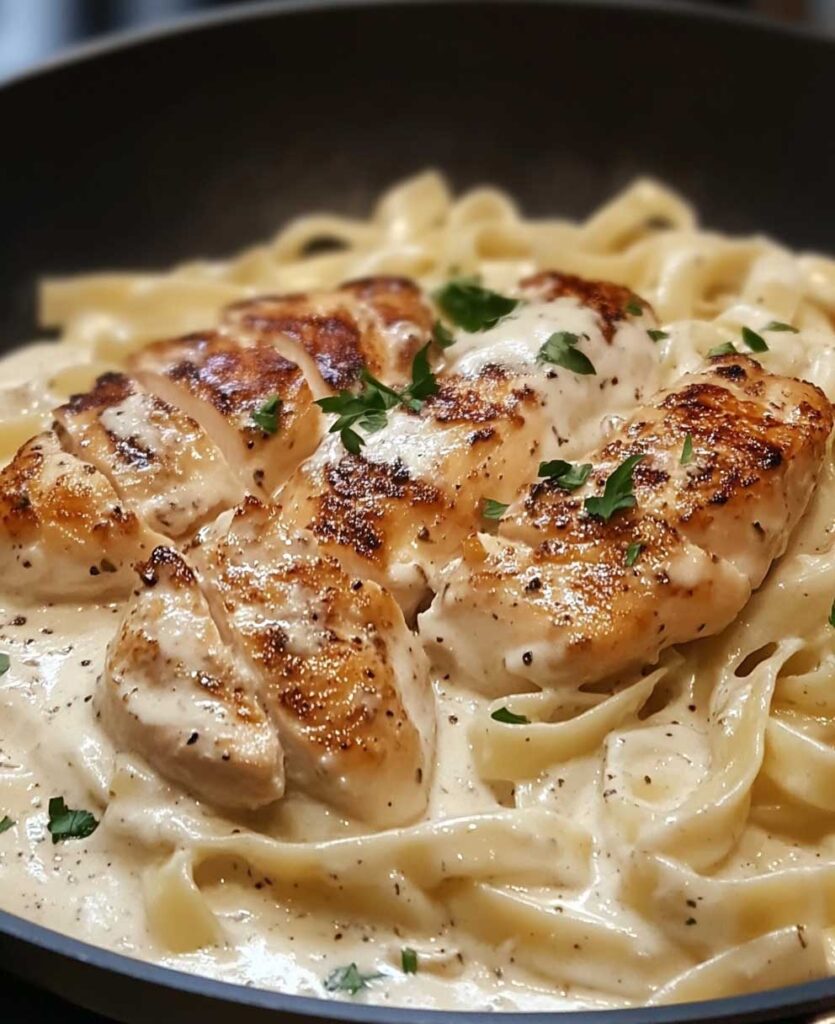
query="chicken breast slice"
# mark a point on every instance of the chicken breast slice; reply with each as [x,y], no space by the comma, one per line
[160,461]
[173,692]
[228,388]
[378,323]
[564,598]
[64,533]
[399,511]
[344,680]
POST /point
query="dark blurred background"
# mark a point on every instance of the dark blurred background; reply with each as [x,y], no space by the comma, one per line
[31,30]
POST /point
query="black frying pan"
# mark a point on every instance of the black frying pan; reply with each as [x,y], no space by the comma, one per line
[196,141]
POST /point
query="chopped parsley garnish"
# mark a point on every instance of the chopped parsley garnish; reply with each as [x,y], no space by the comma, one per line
[5,662]
[634,307]
[778,325]
[472,307]
[657,335]
[832,614]
[66,823]
[348,979]
[561,349]
[492,509]
[632,553]
[506,715]
[368,410]
[266,417]
[753,340]
[617,491]
[6,823]
[727,348]
[687,451]
[442,336]
[409,960]
[564,474]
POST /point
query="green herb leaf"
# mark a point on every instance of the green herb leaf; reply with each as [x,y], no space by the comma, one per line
[66,823]
[472,307]
[632,553]
[5,662]
[560,349]
[424,383]
[617,491]
[368,409]
[634,307]
[564,475]
[832,614]
[657,335]
[493,509]
[267,416]
[409,960]
[753,340]
[506,715]
[778,325]
[727,348]
[687,451]
[442,336]
[348,979]
[6,823]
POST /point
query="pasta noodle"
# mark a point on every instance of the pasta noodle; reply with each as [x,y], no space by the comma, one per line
[668,838]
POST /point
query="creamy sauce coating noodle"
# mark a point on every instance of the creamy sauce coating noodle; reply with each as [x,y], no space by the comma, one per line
[669,839]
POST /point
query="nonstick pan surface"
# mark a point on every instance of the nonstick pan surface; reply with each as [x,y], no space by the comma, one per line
[200,139]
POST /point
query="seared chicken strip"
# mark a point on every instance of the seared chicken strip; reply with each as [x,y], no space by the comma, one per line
[561,597]
[252,401]
[64,533]
[345,681]
[161,462]
[377,323]
[173,692]
[399,511]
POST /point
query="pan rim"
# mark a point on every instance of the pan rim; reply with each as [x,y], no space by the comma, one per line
[771,1004]
[113,42]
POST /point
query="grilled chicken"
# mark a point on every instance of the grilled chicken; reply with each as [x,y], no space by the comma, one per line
[553,601]
[173,692]
[399,511]
[224,386]
[344,680]
[161,462]
[378,323]
[64,533]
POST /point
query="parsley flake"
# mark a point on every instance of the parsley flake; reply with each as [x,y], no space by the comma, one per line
[632,553]
[472,307]
[409,960]
[5,662]
[560,349]
[634,307]
[442,336]
[687,451]
[657,335]
[564,475]
[6,823]
[753,340]
[617,491]
[368,410]
[66,823]
[506,716]
[727,348]
[266,417]
[778,325]
[348,979]
[492,509]
[832,615]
